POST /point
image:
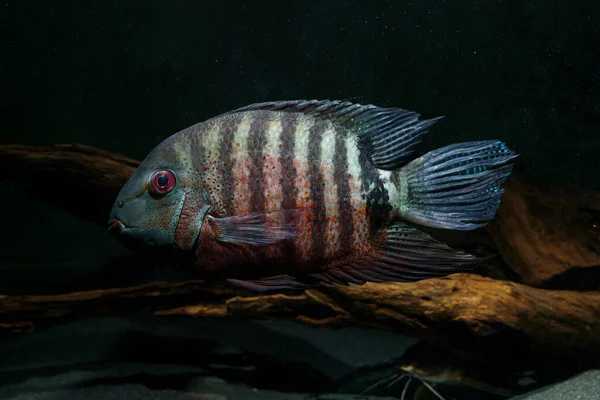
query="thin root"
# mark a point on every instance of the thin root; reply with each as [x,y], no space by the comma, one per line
[406,387]
[392,379]
[428,386]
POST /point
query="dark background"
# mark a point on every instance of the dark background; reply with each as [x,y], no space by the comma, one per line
[123,75]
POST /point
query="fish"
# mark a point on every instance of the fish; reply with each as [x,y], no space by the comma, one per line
[300,193]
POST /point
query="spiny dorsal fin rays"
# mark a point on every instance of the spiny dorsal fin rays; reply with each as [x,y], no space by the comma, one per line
[387,135]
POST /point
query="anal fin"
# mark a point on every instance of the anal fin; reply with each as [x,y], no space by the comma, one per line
[402,254]
[277,282]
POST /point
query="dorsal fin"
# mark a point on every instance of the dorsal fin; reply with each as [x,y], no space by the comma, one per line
[387,135]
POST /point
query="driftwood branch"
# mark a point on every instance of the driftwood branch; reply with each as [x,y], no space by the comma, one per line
[539,234]
[542,234]
[93,177]
[461,311]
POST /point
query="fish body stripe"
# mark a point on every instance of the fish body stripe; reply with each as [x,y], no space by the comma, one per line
[272,188]
[227,131]
[289,127]
[330,193]
[360,231]
[273,193]
[304,138]
[255,143]
[391,183]
[286,159]
[188,204]
[366,174]
[368,177]
[344,205]
[316,181]
[241,167]
[212,172]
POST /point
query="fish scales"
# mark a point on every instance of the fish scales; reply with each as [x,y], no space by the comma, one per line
[329,221]
[314,157]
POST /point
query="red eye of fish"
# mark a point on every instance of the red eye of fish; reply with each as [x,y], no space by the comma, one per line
[162,182]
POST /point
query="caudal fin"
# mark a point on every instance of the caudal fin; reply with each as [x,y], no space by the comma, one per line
[455,187]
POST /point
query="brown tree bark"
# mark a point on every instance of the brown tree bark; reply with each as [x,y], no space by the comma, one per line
[538,233]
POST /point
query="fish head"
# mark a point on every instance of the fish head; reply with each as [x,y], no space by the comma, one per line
[162,205]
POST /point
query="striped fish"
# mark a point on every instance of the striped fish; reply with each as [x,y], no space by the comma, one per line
[295,193]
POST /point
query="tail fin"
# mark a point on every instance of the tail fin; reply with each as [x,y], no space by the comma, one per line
[457,186]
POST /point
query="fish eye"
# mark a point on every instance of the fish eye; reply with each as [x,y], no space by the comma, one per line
[162,182]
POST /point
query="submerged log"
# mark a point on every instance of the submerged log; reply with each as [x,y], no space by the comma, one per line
[458,312]
[94,176]
[542,233]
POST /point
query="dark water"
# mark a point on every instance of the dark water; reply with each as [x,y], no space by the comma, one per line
[123,75]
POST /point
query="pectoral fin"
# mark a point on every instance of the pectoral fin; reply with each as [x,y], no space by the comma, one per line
[257,229]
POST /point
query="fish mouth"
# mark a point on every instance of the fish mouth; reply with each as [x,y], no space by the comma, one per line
[115,226]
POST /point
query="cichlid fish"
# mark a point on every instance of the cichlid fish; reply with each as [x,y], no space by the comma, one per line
[278,194]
